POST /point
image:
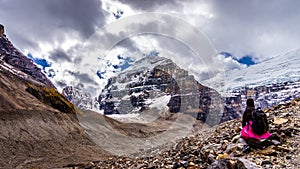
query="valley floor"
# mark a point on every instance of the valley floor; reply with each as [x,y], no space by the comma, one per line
[90,140]
[218,147]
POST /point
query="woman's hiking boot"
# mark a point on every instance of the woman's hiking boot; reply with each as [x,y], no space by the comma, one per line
[246,149]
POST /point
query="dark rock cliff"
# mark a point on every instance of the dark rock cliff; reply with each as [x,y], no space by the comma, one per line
[152,77]
[10,55]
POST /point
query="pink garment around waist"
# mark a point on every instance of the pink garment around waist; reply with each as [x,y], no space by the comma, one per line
[247,133]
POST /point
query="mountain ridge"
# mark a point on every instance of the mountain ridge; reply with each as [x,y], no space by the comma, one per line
[39,127]
[155,77]
[277,69]
[11,56]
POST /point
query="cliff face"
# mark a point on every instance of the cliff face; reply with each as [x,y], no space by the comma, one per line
[155,79]
[1,30]
[11,56]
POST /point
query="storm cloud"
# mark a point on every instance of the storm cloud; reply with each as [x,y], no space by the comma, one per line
[33,21]
[59,55]
[150,5]
[258,28]
[56,29]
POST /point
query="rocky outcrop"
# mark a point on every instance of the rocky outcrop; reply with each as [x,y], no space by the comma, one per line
[1,30]
[80,98]
[10,55]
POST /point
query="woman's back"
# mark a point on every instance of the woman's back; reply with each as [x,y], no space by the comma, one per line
[247,116]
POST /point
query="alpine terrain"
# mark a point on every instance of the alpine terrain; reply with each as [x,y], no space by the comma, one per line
[38,125]
[153,114]
[270,82]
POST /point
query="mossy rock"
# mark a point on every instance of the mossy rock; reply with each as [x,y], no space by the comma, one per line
[51,97]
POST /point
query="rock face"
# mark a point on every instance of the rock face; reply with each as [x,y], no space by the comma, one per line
[217,147]
[14,65]
[80,98]
[10,55]
[1,30]
[153,78]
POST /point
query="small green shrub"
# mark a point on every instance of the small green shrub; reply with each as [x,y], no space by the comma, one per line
[51,97]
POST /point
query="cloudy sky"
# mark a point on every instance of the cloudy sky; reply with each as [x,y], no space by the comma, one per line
[56,30]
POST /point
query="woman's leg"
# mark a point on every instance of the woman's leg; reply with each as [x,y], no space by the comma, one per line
[243,141]
[246,147]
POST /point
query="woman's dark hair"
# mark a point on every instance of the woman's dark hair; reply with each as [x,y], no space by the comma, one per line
[250,102]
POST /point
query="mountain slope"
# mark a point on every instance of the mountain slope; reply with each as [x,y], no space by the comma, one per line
[10,55]
[157,82]
[278,69]
[38,126]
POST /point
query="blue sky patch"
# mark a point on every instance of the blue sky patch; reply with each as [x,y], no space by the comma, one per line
[246,60]
[118,14]
[42,62]
[226,54]
[125,63]
[101,74]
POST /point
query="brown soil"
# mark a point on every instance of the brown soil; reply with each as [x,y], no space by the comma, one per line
[34,134]
[44,139]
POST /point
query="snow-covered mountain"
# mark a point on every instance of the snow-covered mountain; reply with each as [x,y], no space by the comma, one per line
[138,87]
[110,67]
[158,83]
[278,69]
[271,82]
[80,97]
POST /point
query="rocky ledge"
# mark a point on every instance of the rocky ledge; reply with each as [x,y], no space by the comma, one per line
[217,147]
[19,62]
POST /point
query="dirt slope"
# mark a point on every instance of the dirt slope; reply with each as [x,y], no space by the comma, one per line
[35,132]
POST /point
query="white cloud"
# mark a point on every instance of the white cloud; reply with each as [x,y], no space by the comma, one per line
[44,28]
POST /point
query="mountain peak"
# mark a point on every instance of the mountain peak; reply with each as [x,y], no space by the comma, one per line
[1,30]
[159,82]
[19,63]
[20,75]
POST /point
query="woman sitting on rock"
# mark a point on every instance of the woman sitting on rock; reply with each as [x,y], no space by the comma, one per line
[248,136]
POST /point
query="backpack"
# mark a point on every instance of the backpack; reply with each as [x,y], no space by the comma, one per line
[260,123]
